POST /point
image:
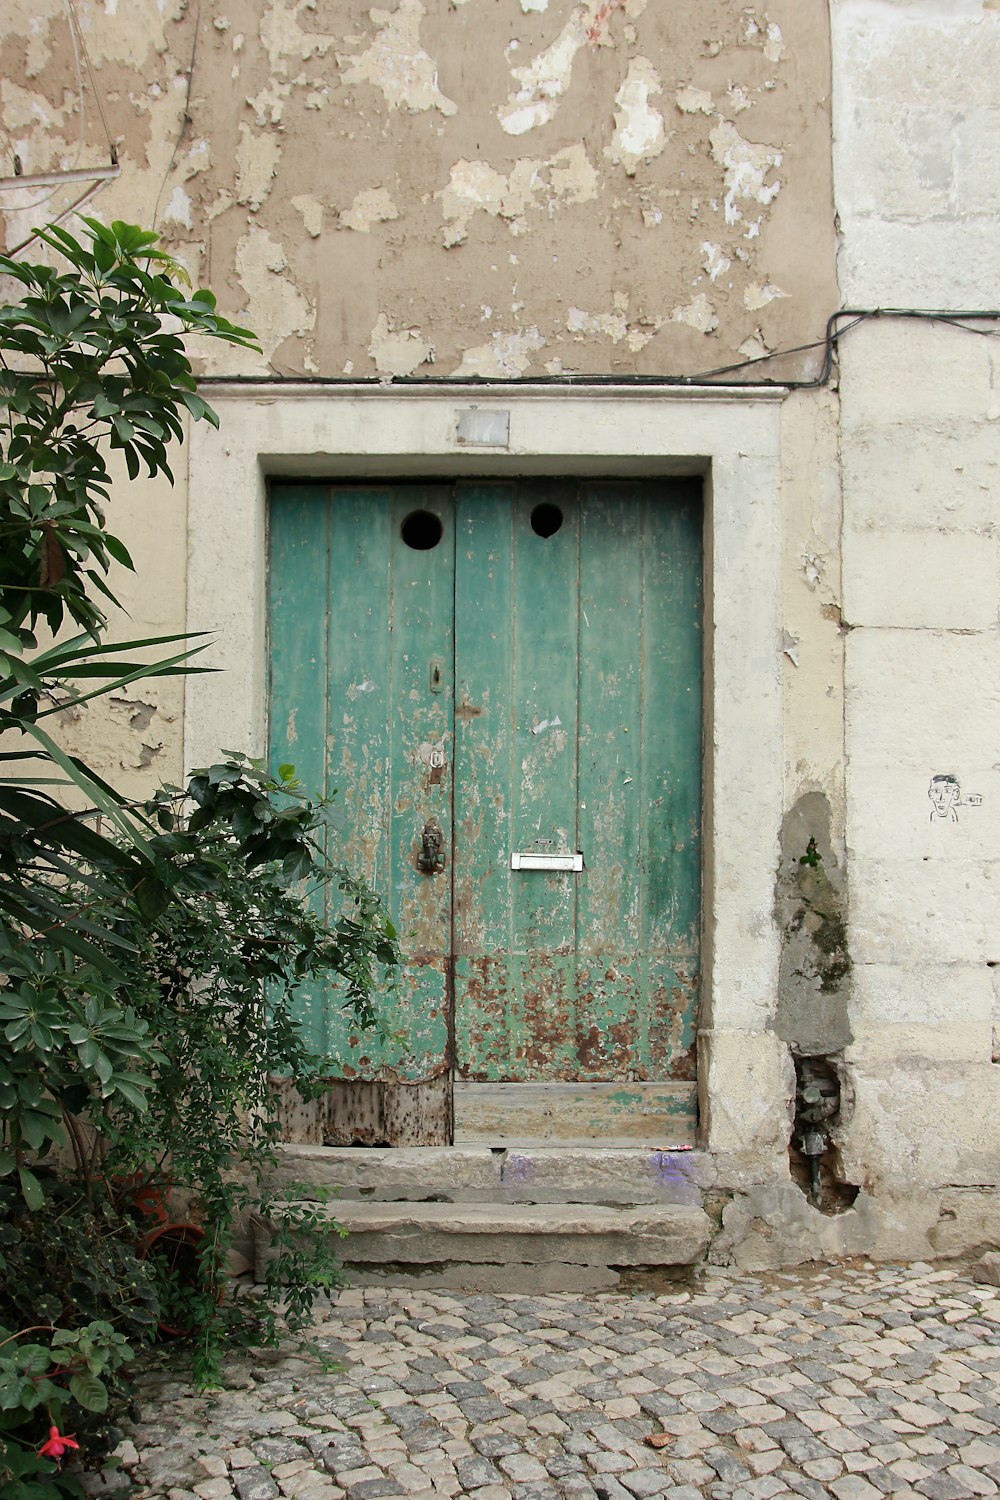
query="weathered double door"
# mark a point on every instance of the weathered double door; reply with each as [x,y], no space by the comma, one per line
[502,683]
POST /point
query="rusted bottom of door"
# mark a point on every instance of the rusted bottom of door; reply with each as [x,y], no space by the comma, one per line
[658,1115]
[368,1113]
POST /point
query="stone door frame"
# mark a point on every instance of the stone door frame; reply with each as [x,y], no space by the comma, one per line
[732,436]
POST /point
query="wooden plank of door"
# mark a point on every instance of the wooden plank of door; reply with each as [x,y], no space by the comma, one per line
[612,1031]
[298,674]
[662,1116]
[671,773]
[487,1010]
[543,645]
[421,664]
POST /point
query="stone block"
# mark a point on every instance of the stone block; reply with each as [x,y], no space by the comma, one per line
[451,1173]
[542,1175]
[915,911]
[479,1175]
[921,579]
[942,997]
[909,473]
[977,156]
[949,264]
[918,1124]
[896,160]
[399,1236]
[889,812]
[963,1041]
[927,55]
[774,1226]
[944,707]
[969,1219]
[747,1083]
[987,1269]
[518,1278]
[912,372]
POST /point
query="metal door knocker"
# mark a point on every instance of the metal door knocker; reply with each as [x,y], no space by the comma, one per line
[431,859]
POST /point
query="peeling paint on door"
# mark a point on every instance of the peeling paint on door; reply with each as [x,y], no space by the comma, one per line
[567,618]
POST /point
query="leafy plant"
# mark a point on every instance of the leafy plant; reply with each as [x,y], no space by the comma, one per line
[149,954]
[93,359]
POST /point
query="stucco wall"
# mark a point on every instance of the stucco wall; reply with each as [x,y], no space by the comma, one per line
[461,186]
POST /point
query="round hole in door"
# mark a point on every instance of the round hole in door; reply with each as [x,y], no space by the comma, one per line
[421,530]
[546,519]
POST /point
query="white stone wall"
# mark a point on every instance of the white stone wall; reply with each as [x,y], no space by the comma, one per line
[917,179]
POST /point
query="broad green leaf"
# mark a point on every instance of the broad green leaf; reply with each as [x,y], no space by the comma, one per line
[89,1391]
[31,1189]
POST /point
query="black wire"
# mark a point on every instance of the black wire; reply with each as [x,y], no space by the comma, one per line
[185,116]
[959,319]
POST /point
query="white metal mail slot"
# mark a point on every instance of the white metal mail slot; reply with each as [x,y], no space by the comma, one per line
[529,860]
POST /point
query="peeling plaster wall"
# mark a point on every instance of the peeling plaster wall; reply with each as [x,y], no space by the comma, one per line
[135,739]
[489,187]
[516,188]
[485,188]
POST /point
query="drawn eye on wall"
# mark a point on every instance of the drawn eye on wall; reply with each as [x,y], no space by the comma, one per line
[945,793]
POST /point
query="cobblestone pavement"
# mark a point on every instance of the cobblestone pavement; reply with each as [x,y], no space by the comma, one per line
[851,1381]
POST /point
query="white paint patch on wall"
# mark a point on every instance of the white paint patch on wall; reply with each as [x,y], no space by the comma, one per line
[639,133]
[505,354]
[397,64]
[766,34]
[692,101]
[754,347]
[699,314]
[613,325]
[30,22]
[542,83]
[757,296]
[283,37]
[275,308]
[714,259]
[746,165]
[178,209]
[398,351]
[476,186]
[372,206]
[257,157]
[311,210]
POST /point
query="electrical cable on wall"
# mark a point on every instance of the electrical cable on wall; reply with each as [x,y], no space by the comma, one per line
[960,319]
[95,178]
[185,116]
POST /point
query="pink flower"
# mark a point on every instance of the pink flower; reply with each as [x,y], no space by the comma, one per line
[56,1445]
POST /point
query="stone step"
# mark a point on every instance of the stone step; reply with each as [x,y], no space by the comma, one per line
[505,1246]
[478,1174]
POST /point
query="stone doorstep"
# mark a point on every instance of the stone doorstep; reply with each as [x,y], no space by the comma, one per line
[477,1174]
[410,1236]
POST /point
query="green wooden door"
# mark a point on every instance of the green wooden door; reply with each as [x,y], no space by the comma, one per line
[512,670]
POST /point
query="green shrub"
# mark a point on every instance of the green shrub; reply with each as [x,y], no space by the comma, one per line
[149,954]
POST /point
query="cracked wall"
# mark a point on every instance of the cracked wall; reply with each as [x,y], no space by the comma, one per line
[470,187]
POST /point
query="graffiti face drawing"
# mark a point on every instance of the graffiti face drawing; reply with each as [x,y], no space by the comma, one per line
[945,794]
